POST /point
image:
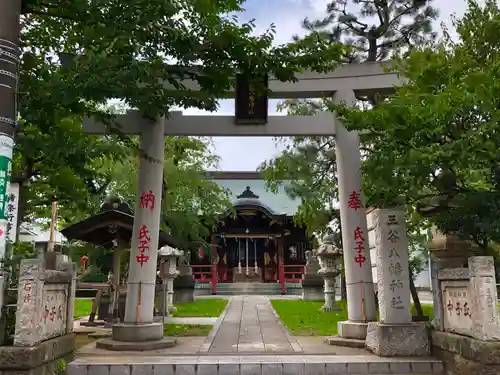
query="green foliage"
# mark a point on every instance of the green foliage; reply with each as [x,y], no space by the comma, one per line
[191,204]
[436,141]
[309,162]
[375,28]
[121,49]
[138,51]
[431,146]
[60,367]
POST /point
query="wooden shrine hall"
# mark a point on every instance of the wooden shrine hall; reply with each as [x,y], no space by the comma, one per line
[259,242]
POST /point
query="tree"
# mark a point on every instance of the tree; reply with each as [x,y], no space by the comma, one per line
[376,28]
[121,50]
[60,166]
[435,142]
[310,161]
[191,203]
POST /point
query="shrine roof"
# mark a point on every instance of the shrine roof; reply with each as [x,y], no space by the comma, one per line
[249,188]
[102,228]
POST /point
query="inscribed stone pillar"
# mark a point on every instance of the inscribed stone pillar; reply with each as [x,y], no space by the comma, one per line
[446,251]
[358,273]
[393,279]
[394,334]
[28,331]
[486,324]
[144,244]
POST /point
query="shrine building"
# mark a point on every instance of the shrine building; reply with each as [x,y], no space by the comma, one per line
[258,242]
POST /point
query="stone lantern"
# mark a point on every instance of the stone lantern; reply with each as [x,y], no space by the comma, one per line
[168,272]
[330,258]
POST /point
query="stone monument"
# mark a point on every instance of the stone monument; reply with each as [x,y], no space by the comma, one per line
[394,334]
[330,258]
[467,334]
[312,283]
[184,283]
[44,318]
[168,272]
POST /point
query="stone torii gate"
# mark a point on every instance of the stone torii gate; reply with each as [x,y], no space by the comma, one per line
[342,84]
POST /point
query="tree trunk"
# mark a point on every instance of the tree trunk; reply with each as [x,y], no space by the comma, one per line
[343,288]
[414,295]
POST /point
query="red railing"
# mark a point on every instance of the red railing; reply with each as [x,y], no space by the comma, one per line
[205,274]
[293,272]
[289,273]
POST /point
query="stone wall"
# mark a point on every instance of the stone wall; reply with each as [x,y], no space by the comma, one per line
[467,325]
[466,356]
[44,319]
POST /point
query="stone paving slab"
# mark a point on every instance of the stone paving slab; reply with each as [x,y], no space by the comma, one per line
[253,365]
[251,326]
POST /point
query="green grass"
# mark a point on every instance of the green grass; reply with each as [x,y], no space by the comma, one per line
[428,310]
[210,308]
[82,307]
[185,330]
[206,307]
[306,318]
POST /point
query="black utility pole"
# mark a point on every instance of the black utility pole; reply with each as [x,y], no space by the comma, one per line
[10,28]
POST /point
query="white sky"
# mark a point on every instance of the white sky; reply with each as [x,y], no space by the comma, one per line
[247,153]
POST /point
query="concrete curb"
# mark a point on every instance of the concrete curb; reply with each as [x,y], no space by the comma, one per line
[256,365]
[205,347]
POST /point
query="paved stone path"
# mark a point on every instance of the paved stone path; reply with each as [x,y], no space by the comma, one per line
[250,325]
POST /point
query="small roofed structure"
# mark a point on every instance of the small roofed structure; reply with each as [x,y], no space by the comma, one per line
[113,223]
[110,229]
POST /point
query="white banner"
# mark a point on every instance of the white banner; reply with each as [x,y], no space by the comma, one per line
[12,210]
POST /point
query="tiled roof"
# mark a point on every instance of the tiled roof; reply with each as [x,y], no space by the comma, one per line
[279,203]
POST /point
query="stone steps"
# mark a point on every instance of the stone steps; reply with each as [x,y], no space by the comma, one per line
[252,365]
[234,289]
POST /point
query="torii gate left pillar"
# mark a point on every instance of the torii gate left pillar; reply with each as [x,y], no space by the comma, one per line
[139,331]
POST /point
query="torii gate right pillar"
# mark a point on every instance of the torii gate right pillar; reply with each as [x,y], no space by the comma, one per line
[357,265]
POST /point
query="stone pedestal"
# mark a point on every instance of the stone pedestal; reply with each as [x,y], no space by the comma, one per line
[136,337]
[184,283]
[357,264]
[184,289]
[352,330]
[312,283]
[393,340]
[312,288]
[103,308]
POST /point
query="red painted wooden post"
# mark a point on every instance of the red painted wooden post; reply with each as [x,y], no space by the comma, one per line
[281,262]
[213,255]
